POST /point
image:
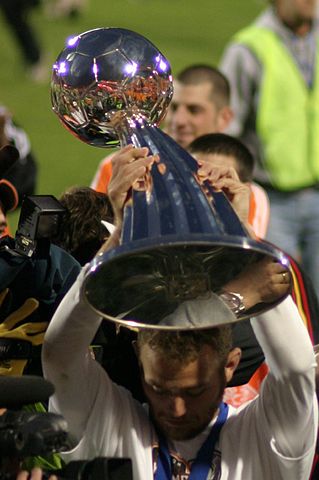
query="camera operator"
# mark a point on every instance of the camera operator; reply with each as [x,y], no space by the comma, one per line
[34,277]
[24,434]
[32,283]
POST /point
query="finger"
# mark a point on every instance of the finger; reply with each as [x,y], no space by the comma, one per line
[129,170]
[125,159]
[134,154]
[23,475]
[145,161]
[282,289]
[214,172]
[276,267]
[233,190]
[271,263]
[284,277]
[224,183]
[37,339]
[123,150]
[128,175]
[33,328]
[119,154]
[138,152]
[275,270]
[129,154]
[36,474]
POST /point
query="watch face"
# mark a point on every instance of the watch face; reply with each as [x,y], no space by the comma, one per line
[234,301]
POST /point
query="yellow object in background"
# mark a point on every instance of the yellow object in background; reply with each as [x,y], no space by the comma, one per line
[11,327]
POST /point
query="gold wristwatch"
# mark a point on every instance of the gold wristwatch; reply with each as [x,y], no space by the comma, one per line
[234,301]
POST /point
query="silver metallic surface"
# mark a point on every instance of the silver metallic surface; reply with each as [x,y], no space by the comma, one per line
[104,75]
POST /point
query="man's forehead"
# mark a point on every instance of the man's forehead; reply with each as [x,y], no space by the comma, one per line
[192,94]
[148,355]
[159,369]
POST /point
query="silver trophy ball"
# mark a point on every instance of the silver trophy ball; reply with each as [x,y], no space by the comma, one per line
[104,75]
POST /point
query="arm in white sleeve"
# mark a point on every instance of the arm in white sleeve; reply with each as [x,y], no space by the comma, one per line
[287,400]
[66,360]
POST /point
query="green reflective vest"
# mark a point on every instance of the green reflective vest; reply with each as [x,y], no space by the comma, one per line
[288,112]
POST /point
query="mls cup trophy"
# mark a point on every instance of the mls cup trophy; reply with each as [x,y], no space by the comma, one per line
[180,241]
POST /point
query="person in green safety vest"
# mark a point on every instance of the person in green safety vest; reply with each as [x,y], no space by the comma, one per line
[272,68]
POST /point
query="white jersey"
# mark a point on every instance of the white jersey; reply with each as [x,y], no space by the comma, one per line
[271,438]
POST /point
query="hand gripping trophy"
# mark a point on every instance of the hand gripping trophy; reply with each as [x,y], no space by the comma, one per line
[180,241]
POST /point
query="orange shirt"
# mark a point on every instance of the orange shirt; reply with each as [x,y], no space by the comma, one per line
[103,175]
[259,210]
[236,396]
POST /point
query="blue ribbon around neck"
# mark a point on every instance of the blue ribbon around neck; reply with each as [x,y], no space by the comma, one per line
[201,465]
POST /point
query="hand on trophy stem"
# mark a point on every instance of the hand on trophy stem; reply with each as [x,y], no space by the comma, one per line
[262,282]
[129,166]
[227,180]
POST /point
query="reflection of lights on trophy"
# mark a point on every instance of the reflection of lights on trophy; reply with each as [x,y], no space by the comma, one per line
[106,77]
[112,87]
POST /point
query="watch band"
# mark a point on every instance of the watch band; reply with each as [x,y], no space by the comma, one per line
[234,301]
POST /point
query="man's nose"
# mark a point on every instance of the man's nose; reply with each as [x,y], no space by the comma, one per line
[179,117]
[177,406]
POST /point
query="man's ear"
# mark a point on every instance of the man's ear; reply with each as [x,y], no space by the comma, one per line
[225,116]
[232,362]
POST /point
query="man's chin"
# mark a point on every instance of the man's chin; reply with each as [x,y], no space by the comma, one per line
[183,140]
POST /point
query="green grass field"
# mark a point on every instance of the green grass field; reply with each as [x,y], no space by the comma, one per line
[185,31]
